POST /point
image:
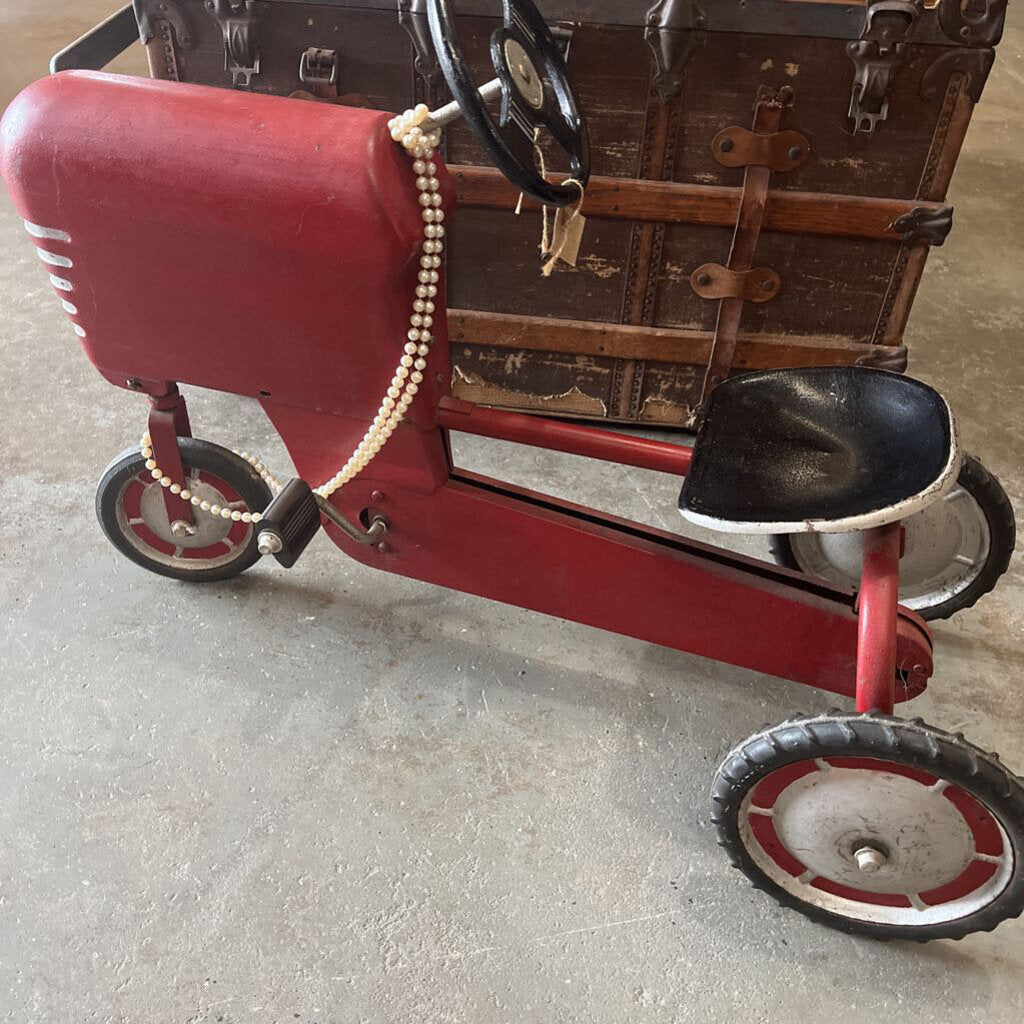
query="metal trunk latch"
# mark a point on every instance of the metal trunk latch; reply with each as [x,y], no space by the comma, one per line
[877,56]
[318,71]
[412,16]
[673,32]
[239,22]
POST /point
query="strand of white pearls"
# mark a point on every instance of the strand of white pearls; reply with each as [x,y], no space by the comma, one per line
[420,146]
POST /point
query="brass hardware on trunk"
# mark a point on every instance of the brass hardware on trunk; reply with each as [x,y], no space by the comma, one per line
[713,281]
[740,147]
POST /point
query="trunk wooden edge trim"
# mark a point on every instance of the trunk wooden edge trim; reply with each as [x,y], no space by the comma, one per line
[660,344]
[669,202]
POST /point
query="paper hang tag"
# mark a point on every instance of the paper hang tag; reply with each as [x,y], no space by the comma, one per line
[567,237]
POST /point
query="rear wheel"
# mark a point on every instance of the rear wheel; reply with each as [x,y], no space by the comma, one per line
[131,509]
[875,825]
[956,548]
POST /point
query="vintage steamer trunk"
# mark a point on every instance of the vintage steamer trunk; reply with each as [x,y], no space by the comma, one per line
[769,176]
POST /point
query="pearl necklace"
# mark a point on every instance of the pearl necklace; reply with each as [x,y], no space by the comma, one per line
[419,146]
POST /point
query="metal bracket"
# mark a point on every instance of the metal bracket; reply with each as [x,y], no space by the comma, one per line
[713,281]
[239,22]
[673,33]
[975,23]
[926,224]
[412,16]
[887,357]
[877,56]
[149,12]
[974,65]
[318,70]
[372,536]
[100,45]
[739,147]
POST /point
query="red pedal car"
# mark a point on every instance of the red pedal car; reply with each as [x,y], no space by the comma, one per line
[299,262]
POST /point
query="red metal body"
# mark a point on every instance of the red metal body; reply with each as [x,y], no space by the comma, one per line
[624,449]
[277,258]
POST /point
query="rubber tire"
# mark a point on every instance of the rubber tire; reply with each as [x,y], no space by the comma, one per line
[989,494]
[838,733]
[197,455]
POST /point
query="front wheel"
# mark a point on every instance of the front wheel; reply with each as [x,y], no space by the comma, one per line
[956,548]
[875,825]
[131,509]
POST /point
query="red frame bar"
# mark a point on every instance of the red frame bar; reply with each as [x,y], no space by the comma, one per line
[877,619]
[168,420]
[467,418]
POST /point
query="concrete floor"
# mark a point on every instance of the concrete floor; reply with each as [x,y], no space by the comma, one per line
[332,795]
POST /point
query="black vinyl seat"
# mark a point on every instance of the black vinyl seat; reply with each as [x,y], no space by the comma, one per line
[825,449]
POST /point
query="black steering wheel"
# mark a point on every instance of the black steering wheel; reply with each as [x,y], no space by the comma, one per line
[535,93]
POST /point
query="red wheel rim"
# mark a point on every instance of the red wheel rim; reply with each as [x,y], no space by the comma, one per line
[144,522]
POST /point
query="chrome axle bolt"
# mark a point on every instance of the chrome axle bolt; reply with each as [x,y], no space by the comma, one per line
[869,860]
[268,543]
[182,529]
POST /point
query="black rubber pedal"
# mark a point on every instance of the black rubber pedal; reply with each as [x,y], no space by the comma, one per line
[289,523]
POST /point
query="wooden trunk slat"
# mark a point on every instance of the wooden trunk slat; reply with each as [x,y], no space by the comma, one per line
[672,202]
[626,341]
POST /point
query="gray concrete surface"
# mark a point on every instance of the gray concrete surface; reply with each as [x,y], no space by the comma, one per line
[334,796]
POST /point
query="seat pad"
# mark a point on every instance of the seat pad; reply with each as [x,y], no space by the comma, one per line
[825,449]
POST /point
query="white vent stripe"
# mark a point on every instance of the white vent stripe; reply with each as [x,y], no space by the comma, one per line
[62,283]
[80,331]
[54,259]
[69,307]
[38,231]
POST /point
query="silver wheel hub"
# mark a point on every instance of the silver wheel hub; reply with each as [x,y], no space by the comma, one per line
[207,531]
[524,74]
[865,835]
[947,545]
[831,819]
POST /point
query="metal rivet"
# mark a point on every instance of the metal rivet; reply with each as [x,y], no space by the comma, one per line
[795,152]
[703,280]
[768,286]
[376,495]
[383,547]
[726,145]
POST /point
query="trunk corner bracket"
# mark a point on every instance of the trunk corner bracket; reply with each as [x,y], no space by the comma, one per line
[674,31]
[977,23]
[924,224]
[149,12]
